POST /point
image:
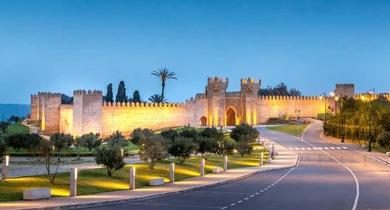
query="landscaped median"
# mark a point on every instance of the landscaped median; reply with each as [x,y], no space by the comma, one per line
[292,129]
[94,181]
[188,173]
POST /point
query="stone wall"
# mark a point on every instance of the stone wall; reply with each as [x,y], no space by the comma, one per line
[129,116]
[35,108]
[87,112]
[279,106]
[45,109]
[216,95]
[345,90]
[66,118]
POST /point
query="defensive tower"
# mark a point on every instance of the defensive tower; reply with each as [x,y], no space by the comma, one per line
[345,90]
[249,95]
[216,92]
[87,112]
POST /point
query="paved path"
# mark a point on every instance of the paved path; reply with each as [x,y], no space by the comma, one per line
[330,177]
[285,159]
[21,166]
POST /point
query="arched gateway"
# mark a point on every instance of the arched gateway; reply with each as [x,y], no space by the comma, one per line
[203,121]
[230,117]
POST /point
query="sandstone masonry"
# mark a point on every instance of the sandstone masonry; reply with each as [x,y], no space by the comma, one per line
[214,107]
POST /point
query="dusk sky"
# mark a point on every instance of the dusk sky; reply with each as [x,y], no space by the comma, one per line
[310,45]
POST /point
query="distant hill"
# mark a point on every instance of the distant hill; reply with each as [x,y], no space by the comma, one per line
[7,110]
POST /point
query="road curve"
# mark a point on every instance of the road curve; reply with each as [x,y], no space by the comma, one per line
[318,182]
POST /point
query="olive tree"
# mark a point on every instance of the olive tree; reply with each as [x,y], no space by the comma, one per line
[139,134]
[181,148]
[111,158]
[245,135]
[51,152]
[383,139]
[152,150]
[206,146]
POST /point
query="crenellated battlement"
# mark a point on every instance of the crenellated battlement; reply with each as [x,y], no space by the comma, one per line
[233,93]
[217,84]
[346,85]
[249,80]
[144,105]
[88,92]
[214,107]
[45,94]
[217,80]
[302,98]
[200,96]
[368,96]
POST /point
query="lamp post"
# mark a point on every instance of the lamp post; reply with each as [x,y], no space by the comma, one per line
[338,98]
[370,94]
[324,97]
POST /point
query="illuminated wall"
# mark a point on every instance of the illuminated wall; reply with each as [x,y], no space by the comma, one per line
[89,114]
[129,116]
[278,106]
[66,118]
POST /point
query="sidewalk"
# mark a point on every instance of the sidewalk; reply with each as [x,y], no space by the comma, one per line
[373,154]
[284,159]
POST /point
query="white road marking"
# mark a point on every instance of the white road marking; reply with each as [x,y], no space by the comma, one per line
[261,191]
[342,164]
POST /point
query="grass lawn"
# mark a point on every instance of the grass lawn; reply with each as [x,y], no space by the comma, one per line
[95,180]
[292,129]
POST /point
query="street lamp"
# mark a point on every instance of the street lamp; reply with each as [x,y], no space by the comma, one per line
[340,98]
[323,96]
[370,94]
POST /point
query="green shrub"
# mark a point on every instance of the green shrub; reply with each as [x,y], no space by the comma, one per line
[383,139]
[139,134]
[17,128]
[181,148]
[152,150]
[111,158]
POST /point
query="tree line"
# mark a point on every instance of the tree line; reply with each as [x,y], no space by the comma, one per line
[358,119]
[279,90]
[153,147]
[163,74]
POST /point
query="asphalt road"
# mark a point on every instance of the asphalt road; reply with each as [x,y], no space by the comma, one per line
[328,177]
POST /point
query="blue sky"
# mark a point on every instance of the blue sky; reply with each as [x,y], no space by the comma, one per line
[73,44]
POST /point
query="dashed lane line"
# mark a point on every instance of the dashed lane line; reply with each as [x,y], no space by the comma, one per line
[356,200]
[260,191]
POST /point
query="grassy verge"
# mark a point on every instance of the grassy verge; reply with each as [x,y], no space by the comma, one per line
[95,180]
[292,129]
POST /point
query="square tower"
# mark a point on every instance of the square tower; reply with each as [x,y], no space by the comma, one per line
[87,112]
[216,93]
[249,95]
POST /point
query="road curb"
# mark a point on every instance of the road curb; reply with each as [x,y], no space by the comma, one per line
[106,203]
[124,200]
[329,139]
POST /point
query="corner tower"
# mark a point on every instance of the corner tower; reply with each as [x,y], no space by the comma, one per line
[249,95]
[87,112]
[345,90]
[216,101]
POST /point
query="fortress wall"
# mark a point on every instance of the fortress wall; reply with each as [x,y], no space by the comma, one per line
[278,106]
[66,119]
[235,104]
[87,112]
[34,108]
[196,111]
[49,112]
[127,117]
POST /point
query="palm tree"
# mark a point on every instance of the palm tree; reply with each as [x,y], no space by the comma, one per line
[156,98]
[164,75]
